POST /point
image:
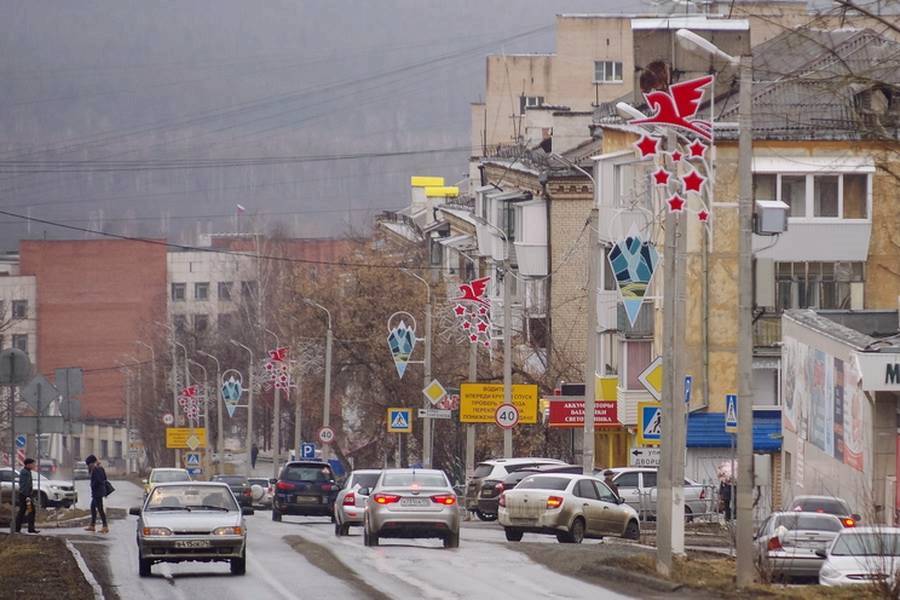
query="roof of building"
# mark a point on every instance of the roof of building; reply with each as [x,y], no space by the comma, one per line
[707,430]
[859,329]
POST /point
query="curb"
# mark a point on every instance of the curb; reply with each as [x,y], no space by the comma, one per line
[654,583]
[88,576]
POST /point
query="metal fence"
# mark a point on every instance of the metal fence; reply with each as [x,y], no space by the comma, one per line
[707,508]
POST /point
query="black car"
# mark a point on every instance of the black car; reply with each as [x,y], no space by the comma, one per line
[306,488]
[240,486]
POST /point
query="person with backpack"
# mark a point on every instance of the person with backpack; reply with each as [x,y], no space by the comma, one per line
[100,488]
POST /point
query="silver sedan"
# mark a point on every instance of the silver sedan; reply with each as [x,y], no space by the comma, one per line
[195,521]
[786,543]
[350,504]
[412,503]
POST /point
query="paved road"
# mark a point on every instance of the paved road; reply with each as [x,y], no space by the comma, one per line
[482,567]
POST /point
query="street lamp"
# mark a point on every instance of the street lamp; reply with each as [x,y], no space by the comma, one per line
[744,542]
[326,409]
[129,373]
[174,383]
[220,433]
[428,425]
[249,404]
[276,418]
[205,402]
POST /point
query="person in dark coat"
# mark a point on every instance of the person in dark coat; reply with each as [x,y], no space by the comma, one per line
[26,497]
[98,492]
[254,452]
[726,489]
[608,480]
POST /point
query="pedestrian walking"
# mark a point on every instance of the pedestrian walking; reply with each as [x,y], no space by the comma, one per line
[725,496]
[99,485]
[608,480]
[254,452]
[26,498]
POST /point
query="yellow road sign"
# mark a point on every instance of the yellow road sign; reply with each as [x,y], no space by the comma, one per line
[652,378]
[434,391]
[185,438]
[478,402]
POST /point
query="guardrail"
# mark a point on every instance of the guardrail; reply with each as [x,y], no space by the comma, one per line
[705,509]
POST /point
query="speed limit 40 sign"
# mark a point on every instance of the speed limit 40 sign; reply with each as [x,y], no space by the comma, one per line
[326,435]
[507,416]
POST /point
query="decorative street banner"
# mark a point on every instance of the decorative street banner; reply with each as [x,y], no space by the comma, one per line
[232,388]
[401,342]
[190,402]
[633,262]
[473,311]
[277,368]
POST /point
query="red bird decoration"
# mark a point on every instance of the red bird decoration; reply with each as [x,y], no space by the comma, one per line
[474,291]
[278,354]
[677,106]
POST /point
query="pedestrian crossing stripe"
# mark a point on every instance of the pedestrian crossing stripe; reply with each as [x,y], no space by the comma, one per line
[399,420]
[650,420]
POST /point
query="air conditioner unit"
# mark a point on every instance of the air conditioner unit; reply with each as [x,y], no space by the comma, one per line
[771,217]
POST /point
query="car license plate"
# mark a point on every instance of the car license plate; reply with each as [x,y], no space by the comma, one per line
[306,499]
[414,502]
[192,544]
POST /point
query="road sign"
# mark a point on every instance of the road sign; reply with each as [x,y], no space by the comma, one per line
[194,471]
[15,368]
[478,402]
[434,391]
[731,414]
[70,381]
[168,419]
[435,413]
[39,393]
[688,384]
[327,435]
[189,438]
[399,420]
[307,450]
[644,457]
[21,440]
[192,459]
[651,378]
[649,431]
[507,416]
[40,424]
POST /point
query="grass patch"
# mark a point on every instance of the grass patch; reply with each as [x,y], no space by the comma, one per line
[36,566]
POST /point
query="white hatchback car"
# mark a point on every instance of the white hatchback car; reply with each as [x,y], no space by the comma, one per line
[862,555]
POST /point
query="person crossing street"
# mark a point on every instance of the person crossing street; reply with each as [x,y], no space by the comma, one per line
[26,498]
[99,486]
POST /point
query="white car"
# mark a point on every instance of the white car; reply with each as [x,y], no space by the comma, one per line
[350,504]
[862,555]
[51,492]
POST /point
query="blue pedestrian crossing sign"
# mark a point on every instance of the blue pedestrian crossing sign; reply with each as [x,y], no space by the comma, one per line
[307,450]
[194,471]
[649,423]
[731,414]
[192,459]
[399,420]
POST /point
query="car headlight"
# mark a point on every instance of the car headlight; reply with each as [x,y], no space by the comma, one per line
[157,531]
[228,531]
[828,572]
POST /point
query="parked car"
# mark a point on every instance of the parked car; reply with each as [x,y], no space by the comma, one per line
[50,492]
[240,487]
[512,480]
[191,521]
[411,503]
[305,487]
[80,471]
[786,543]
[350,503]
[633,483]
[481,490]
[164,475]
[570,506]
[830,505]
[47,467]
[862,555]
[263,490]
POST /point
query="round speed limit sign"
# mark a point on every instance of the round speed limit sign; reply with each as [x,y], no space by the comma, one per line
[168,419]
[326,435]
[507,416]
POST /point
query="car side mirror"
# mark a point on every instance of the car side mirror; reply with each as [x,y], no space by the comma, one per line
[821,554]
[144,481]
[273,481]
[363,491]
[856,517]
[620,500]
[135,511]
[247,511]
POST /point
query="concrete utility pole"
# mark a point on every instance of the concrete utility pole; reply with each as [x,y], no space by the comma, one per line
[175,391]
[249,403]
[427,422]
[507,342]
[326,408]
[590,354]
[470,427]
[276,419]
[206,448]
[220,408]
[745,333]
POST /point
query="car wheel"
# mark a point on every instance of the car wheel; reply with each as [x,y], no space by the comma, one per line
[513,535]
[143,566]
[369,539]
[239,565]
[345,529]
[276,516]
[632,531]
[452,540]
[337,530]
[575,535]
[688,514]
[485,516]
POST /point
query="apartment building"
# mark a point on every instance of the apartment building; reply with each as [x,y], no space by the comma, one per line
[18,311]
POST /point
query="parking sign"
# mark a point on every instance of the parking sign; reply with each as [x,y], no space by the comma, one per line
[307,450]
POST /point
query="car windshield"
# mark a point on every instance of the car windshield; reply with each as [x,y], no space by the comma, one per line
[544,483]
[191,497]
[231,479]
[307,473]
[168,476]
[410,479]
[365,480]
[809,522]
[482,470]
[823,505]
[867,544]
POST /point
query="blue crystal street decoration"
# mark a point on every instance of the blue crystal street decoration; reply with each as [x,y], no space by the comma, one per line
[231,394]
[401,342]
[633,261]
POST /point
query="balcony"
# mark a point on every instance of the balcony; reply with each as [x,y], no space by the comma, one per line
[767,333]
[643,326]
[607,310]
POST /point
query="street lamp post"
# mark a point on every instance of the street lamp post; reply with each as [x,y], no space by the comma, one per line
[428,423]
[326,409]
[249,403]
[129,373]
[205,405]
[173,343]
[220,433]
[276,418]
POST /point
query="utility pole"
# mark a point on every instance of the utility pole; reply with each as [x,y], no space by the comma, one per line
[298,430]
[745,335]
[276,419]
[427,422]
[326,408]
[590,355]
[679,426]
[470,427]
[175,391]
[220,408]
[249,403]
[507,342]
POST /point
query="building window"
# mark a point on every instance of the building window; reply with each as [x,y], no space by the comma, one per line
[248,290]
[225,290]
[104,448]
[825,196]
[530,102]
[818,285]
[201,323]
[637,357]
[20,309]
[201,290]
[508,220]
[436,254]
[607,71]
[117,450]
[793,193]
[180,322]
[224,321]
[20,341]
[178,292]
[817,196]
[855,196]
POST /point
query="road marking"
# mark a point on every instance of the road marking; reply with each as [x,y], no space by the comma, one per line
[88,576]
[270,579]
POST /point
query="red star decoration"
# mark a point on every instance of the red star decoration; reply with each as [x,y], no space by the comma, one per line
[473,338]
[647,146]
[460,310]
[676,203]
[703,215]
[661,177]
[693,181]
[487,343]
[482,311]
[467,325]
[482,326]
[697,149]
[676,156]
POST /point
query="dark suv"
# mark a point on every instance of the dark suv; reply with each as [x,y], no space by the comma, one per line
[305,487]
[240,487]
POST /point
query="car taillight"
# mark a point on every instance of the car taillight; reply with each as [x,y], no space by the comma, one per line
[502,500]
[703,494]
[350,499]
[385,498]
[445,499]
[248,492]
[327,487]
[284,485]
[774,544]
[554,501]
[848,522]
